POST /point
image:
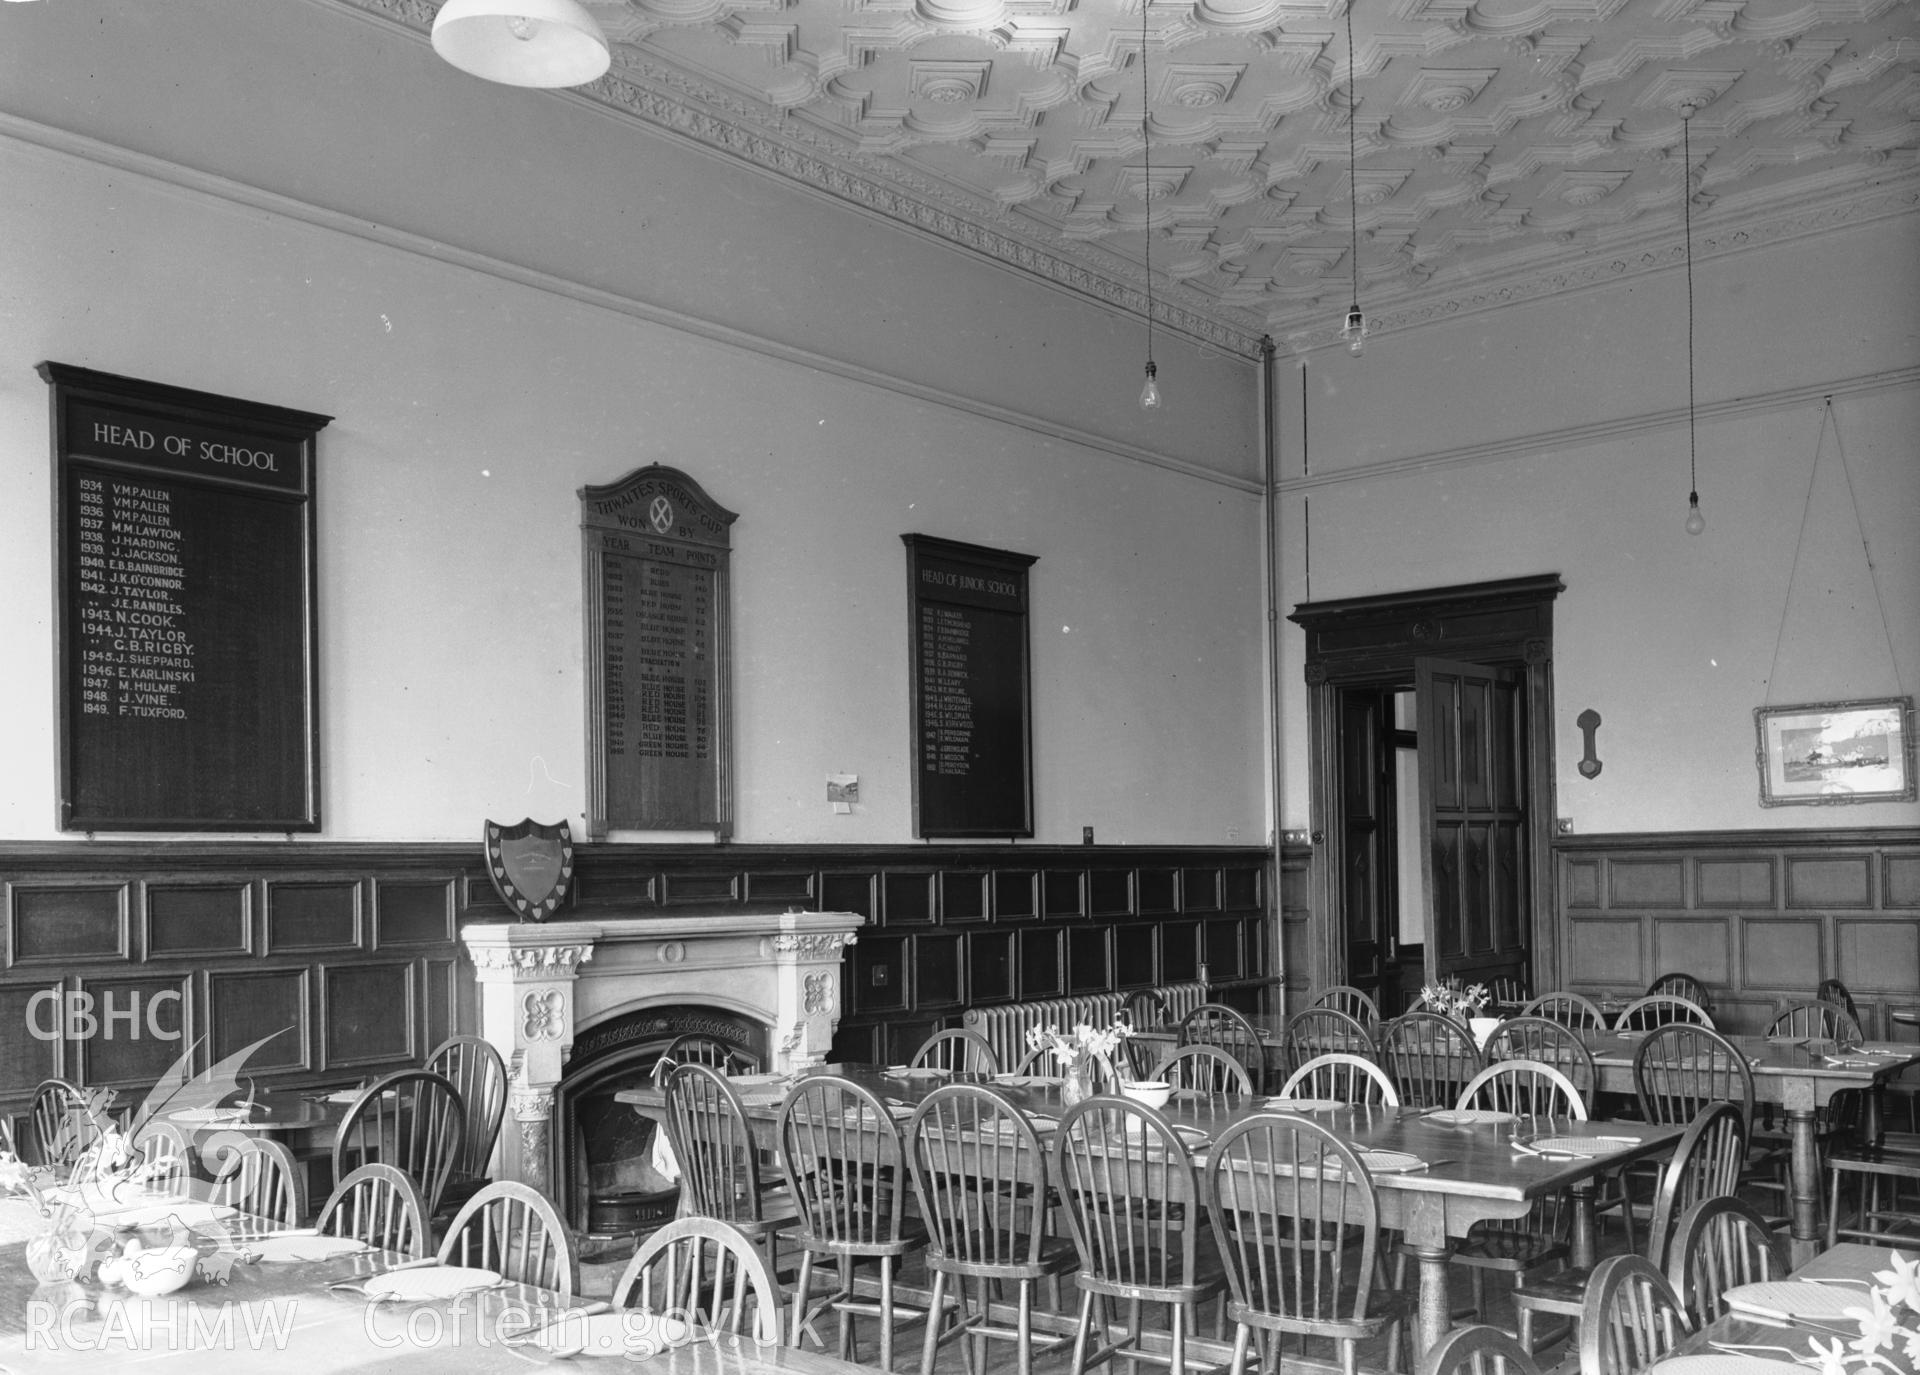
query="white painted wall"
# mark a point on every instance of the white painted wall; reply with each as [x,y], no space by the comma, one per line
[1517,442]
[140,234]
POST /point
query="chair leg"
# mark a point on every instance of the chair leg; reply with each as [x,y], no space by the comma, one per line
[1079,1365]
[931,1341]
[1024,1327]
[802,1283]
[886,1312]
[1241,1332]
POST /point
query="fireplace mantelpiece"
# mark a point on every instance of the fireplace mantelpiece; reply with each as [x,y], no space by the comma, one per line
[542,983]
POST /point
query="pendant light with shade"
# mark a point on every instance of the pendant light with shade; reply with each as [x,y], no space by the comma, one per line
[539,43]
[1150,393]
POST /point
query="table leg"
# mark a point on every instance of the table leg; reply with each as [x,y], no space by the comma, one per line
[1583,1245]
[1804,1187]
[1436,1306]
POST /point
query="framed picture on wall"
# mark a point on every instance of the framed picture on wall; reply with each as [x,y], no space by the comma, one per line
[1825,753]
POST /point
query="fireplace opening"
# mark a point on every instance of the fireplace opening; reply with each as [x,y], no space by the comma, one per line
[607,1176]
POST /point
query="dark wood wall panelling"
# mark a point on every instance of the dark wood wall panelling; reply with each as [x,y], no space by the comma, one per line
[1760,916]
[1296,913]
[351,952]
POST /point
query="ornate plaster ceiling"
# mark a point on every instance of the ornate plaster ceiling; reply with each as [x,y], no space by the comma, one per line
[1505,147]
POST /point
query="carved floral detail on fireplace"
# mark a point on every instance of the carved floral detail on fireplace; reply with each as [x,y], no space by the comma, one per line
[819,994]
[819,945]
[545,961]
[546,1015]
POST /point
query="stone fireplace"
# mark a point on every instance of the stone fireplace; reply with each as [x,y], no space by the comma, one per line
[620,989]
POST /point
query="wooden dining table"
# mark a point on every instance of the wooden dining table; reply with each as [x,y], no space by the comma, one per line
[1787,1075]
[249,1314]
[1467,1174]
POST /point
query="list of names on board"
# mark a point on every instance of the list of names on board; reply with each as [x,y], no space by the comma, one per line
[135,657]
[658,666]
[971,716]
[659,658]
[946,699]
[187,631]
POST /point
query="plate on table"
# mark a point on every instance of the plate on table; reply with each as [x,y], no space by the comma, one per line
[748,1081]
[926,1072]
[1725,1363]
[291,1250]
[1024,1081]
[430,1282]
[1304,1104]
[1787,1300]
[1471,1117]
[1390,1162]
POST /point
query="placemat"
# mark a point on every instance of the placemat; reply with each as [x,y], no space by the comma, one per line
[600,1334]
[1726,1363]
[1390,1162]
[291,1250]
[432,1282]
[1789,1299]
[225,1115]
[1579,1145]
[1304,1104]
[1471,1117]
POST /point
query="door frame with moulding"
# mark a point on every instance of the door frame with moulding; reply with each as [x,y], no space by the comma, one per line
[1371,644]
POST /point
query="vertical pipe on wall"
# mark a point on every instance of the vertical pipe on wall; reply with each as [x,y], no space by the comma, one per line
[1270,456]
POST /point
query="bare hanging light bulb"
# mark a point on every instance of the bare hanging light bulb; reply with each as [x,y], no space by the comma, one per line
[1354,331]
[1695,521]
[1150,393]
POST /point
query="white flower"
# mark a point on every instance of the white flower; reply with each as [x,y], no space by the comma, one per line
[1901,1284]
[1082,1040]
[1832,1359]
[1877,1325]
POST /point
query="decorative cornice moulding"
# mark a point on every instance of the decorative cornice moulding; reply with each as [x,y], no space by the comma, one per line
[671,103]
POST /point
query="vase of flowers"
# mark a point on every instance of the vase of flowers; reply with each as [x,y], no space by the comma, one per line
[1463,1005]
[1080,1054]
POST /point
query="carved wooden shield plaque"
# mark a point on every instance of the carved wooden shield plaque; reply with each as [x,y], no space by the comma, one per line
[531,866]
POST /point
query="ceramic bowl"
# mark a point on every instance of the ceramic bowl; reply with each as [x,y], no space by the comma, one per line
[1153,1092]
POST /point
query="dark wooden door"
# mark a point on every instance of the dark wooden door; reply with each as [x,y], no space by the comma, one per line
[1473,811]
[1366,836]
